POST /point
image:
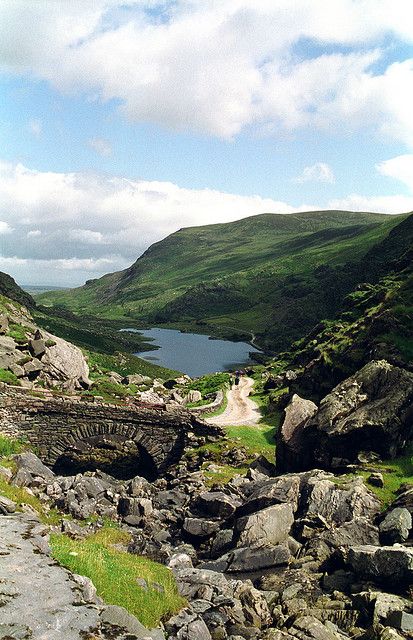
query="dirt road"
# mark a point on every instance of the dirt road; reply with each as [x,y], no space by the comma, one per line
[241,410]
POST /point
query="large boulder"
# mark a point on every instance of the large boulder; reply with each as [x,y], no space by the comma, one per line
[370,411]
[290,443]
[64,365]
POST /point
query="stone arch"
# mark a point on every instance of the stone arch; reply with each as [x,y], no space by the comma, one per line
[123,451]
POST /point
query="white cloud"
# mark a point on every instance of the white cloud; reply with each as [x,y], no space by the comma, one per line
[217,67]
[87,236]
[124,217]
[377,204]
[400,168]
[318,172]
[100,146]
[4,228]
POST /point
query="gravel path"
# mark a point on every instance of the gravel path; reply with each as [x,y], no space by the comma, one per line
[240,410]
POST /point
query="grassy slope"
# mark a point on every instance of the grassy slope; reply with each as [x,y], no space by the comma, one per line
[270,275]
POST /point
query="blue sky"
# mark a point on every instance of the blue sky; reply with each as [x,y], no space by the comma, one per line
[121,122]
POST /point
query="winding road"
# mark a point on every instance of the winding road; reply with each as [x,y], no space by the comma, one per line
[240,410]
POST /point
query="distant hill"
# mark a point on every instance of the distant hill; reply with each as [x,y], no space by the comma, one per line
[10,289]
[270,276]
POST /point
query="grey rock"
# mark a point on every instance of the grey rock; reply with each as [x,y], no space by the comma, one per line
[401,620]
[15,632]
[32,464]
[388,565]
[187,625]
[269,492]
[376,479]
[269,526]
[290,444]
[370,411]
[37,347]
[396,526]
[199,527]
[217,504]
[33,367]
[6,505]
[118,617]
[250,559]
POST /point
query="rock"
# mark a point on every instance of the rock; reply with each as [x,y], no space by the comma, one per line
[6,473]
[65,364]
[217,504]
[250,559]
[254,605]
[33,367]
[313,629]
[401,620]
[284,489]
[193,396]
[396,526]
[30,463]
[405,500]
[370,411]
[338,503]
[4,324]
[7,506]
[187,625]
[269,526]
[118,617]
[18,371]
[290,450]
[263,465]
[387,565]
[376,479]
[199,527]
[37,347]
[137,379]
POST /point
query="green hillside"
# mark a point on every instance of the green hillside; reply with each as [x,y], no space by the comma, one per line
[10,289]
[272,276]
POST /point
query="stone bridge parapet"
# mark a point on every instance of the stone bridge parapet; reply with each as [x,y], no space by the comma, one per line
[58,425]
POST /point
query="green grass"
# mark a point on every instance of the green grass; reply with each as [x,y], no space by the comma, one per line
[115,572]
[8,377]
[127,364]
[18,332]
[10,446]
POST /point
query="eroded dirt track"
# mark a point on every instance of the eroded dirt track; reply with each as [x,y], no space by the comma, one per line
[240,410]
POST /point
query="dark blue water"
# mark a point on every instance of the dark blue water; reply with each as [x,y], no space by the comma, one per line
[193,353]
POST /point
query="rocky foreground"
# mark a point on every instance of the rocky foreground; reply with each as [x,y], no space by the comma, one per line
[306,555]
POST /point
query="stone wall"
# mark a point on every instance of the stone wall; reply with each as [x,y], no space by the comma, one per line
[53,424]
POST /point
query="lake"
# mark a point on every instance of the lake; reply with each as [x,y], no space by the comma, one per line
[193,353]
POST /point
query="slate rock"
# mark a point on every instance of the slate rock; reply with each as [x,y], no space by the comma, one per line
[250,559]
[370,411]
[396,526]
[217,504]
[268,526]
[387,565]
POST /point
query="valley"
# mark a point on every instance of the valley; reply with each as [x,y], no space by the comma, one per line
[194,508]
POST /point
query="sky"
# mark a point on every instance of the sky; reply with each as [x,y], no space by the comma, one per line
[123,121]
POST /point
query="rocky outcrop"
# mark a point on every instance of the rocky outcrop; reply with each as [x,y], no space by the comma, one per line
[370,411]
[296,556]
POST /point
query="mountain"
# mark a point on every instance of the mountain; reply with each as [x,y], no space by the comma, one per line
[271,276]
[10,289]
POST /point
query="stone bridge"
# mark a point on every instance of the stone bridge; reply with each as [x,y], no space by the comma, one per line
[71,435]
